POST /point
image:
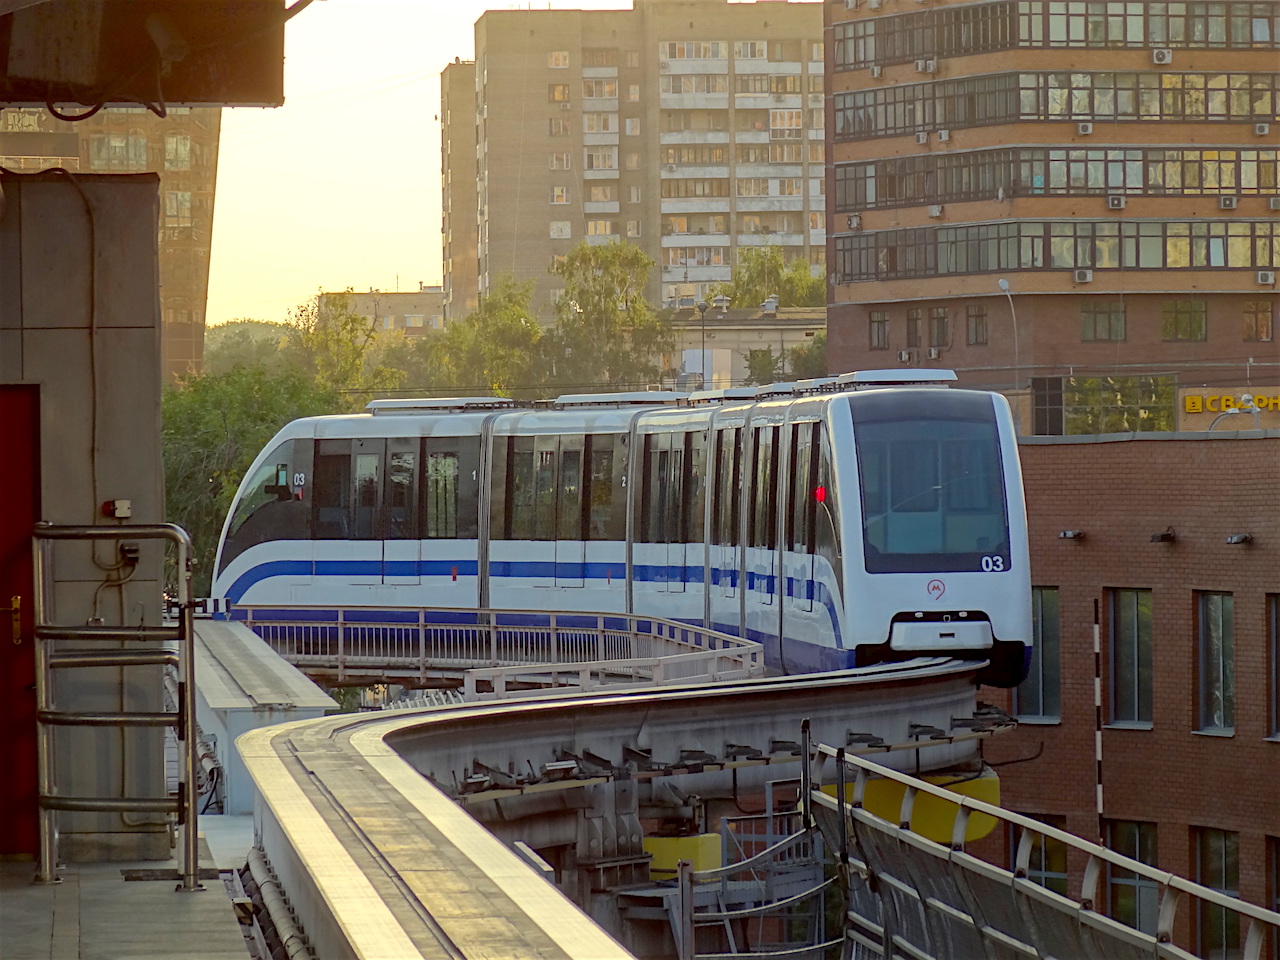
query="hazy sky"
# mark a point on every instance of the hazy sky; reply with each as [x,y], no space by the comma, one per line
[341,186]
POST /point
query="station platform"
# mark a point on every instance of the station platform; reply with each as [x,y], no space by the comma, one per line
[97,914]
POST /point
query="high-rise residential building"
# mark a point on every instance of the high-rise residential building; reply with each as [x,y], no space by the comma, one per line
[1078,204]
[458,225]
[692,128]
[183,149]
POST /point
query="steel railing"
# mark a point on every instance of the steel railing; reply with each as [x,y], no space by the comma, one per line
[506,650]
[51,654]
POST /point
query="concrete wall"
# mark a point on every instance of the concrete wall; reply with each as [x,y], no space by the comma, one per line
[79,317]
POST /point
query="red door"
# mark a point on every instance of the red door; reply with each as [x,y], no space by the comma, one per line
[19,492]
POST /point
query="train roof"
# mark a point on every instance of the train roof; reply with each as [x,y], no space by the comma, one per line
[862,379]
[438,405]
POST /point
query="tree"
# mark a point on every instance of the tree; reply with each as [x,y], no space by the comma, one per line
[761,272]
[495,349]
[764,366]
[243,343]
[213,426]
[809,360]
[329,342]
[606,333]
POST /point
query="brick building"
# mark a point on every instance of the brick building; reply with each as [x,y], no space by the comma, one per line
[1115,166]
[1190,663]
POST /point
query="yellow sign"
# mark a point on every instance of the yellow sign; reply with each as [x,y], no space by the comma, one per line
[1221,403]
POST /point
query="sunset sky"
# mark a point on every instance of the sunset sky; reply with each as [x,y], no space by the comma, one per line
[341,186]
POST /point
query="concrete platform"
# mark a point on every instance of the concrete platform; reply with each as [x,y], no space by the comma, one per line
[95,914]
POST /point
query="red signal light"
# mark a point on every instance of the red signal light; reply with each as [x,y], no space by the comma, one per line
[820,494]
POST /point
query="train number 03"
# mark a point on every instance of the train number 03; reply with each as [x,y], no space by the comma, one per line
[992,564]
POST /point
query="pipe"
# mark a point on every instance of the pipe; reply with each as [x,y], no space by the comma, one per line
[273,902]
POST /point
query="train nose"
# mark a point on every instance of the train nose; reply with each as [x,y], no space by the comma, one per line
[944,634]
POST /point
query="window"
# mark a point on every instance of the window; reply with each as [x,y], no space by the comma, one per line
[751,50]
[633,59]
[784,83]
[1216,633]
[752,187]
[560,230]
[753,84]
[558,127]
[1258,323]
[177,208]
[1273,669]
[558,59]
[1130,632]
[1217,867]
[1048,863]
[633,126]
[1184,320]
[600,158]
[976,315]
[1133,900]
[790,187]
[879,330]
[633,228]
[939,327]
[177,151]
[634,193]
[600,192]
[600,57]
[559,161]
[633,93]
[1102,320]
[599,89]
[915,317]
[786,124]
[559,194]
[633,161]
[693,50]
[599,123]
[1038,695]
[558,92]
[601,228]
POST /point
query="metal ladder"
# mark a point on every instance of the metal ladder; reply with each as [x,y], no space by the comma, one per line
[48,658]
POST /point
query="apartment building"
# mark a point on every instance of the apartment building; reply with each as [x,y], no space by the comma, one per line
[458,225]
[413,311]
[1077,204]
[182,148]
[689,127]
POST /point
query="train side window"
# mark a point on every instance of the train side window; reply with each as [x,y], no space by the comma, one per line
[272,508]
[655,463]
[570,520]
[401,490]
[763,520]
[545,487]
[696,459]
[803,476]
[728,486]
[364,511]
[676,512]
[520,489]
[331,490]
[826,539]
[604,498]
[440,482]
[468,506]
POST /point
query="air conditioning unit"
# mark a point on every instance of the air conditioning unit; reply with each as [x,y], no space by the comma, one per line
[566,106]
[671,168]
[1273,203]
[1161,56]
[935,210]
[1083,276]
[1084,129]
[874,4]
[1228,203]
[1267,278]
[664,65]
[877,71]
[1261,129]
[1115,202]
[854,221]
[944,135]
[851,4]
[926,66]
[935,353]
[904,356]
[922,137]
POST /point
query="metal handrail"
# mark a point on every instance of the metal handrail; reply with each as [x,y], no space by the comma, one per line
[1173,888]
[184,720]
[490,644]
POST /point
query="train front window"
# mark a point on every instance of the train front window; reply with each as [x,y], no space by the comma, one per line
[932,482]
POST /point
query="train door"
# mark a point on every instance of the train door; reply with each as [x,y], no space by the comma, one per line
[401,545]
[762,535]
[724,561]
[363,552]
[19,490]
[449,481]
[571,547]
[800,508]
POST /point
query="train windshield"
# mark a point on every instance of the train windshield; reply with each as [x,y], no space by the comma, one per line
[932,481]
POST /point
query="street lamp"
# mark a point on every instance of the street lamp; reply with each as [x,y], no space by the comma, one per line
[702,359]
[1017,365]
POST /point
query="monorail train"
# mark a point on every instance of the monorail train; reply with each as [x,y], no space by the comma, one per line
[875,516]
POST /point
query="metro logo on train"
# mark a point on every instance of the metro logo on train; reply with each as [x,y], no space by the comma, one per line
[842,522]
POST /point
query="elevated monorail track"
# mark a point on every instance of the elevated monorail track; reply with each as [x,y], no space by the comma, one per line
[393,833]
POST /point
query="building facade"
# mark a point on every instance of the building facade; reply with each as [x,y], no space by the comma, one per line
[691,128]
[459,224]
[413,311]
[183,149]
[1170,546]
[1076,204]
[714,346]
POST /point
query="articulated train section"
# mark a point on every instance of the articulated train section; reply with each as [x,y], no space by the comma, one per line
[518,828]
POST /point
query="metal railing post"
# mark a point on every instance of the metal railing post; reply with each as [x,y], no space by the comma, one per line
[47,869]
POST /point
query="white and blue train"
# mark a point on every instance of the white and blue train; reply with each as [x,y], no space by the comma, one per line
[844,522]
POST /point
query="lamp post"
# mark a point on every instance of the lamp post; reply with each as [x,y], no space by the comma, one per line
[1017,360]
[702,357]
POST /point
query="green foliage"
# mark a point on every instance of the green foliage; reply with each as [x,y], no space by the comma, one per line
[606,334]
[213,427]
[243,343]
[809,360]
[328,342]
[496,349]
[761,272]
[764,366]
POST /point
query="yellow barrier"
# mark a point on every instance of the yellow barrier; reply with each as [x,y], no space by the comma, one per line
[932,817]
